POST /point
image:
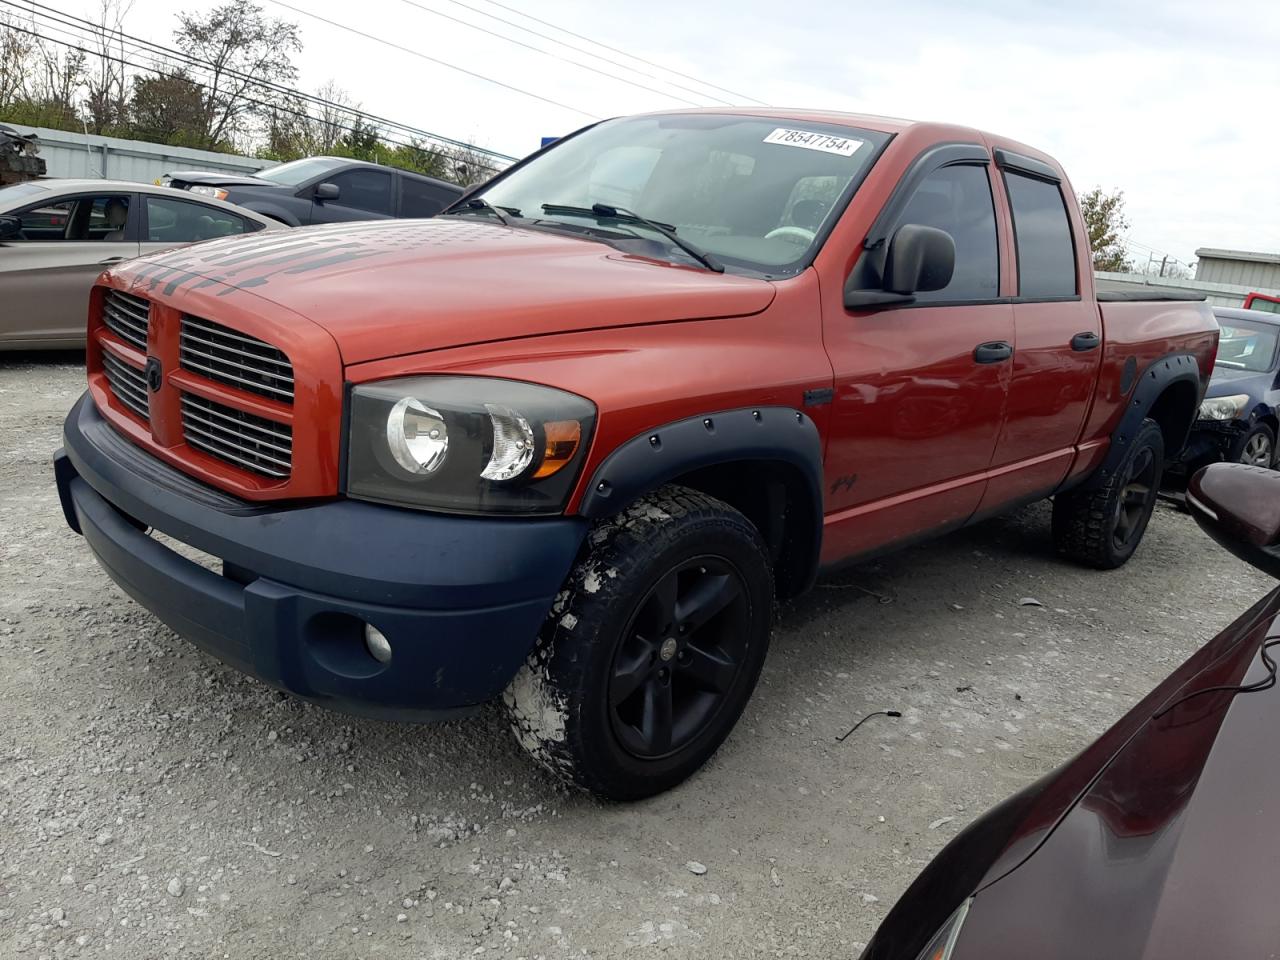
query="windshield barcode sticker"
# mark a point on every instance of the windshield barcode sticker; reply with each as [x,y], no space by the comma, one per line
[844,146]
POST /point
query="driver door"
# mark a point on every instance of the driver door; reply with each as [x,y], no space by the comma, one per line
[918,408]
[46,273]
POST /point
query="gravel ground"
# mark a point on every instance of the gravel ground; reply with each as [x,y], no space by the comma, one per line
[154,803]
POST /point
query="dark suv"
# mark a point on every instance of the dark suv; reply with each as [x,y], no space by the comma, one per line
[1238,418]
[324,190]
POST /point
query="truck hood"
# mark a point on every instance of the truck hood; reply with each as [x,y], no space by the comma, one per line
[393,287]
[218,179]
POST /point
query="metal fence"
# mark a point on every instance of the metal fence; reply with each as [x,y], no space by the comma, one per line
[79,155]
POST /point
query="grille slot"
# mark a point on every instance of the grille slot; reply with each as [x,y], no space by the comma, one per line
[237,360]
[128,385]
[243,439]
[127,316]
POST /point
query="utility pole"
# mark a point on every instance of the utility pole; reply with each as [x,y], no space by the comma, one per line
[1163,262]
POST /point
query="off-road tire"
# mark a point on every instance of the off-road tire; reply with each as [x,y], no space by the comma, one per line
[1241,448]
[559,704]
[1085,522]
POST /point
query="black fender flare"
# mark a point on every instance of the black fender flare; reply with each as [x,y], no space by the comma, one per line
[1158,376]
[660,455]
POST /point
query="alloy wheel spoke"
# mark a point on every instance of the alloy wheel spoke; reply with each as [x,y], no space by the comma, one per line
[656,722]
[712,669]
[1136,495]
[710,594]
[663,601]
[631,671]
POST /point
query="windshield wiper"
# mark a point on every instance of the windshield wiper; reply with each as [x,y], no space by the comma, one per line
[610,212]
[483,205]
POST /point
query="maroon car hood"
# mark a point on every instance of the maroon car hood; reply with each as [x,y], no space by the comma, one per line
[1173,850]
[390,287]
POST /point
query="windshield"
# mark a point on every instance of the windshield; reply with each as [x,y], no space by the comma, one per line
[754,193]
[1245,345]
[299,171]
[11,195]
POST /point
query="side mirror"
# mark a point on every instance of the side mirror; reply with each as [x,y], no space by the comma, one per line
[326,191]
[918,259]
[10,228]
[1238,505]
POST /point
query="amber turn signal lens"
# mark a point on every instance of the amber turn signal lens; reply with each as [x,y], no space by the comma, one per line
[563,437]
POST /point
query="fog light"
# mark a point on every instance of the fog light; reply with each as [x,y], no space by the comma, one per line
[379,647]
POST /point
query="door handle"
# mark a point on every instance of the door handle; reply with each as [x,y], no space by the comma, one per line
[996,351]
[110,260]
[1085,341]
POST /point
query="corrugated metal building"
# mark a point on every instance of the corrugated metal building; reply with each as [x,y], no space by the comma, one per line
[1257,271]
[76,155]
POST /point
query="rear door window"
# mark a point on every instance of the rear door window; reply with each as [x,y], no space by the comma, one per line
[1042,232]
[419,198]
[363,189]
[181,221]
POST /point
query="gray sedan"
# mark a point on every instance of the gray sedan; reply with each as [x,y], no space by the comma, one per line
[56,236]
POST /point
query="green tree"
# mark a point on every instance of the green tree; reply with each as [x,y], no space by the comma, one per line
[1104,217]
[167,108]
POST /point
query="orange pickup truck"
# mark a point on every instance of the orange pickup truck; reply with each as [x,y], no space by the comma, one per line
[565,444]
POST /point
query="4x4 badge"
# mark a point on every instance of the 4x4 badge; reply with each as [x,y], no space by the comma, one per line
[153,374]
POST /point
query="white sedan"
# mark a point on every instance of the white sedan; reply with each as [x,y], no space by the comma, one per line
[56,236]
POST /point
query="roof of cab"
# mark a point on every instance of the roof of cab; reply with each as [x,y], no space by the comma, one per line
[868,121]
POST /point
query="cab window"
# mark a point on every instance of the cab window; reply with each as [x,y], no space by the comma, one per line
[957,199]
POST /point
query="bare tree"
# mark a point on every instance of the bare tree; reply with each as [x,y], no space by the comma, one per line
[56,79]
[106,84]
[332,119]
[15,57]
[241,49]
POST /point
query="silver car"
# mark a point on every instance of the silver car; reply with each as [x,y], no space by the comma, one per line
[56,236]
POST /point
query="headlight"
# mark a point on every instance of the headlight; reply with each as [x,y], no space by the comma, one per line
[944,941]
[215,192]
[1224,408]
[466,444]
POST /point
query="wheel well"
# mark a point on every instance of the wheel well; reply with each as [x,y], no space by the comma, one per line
[1270,420]
[775,497]
[1175,410]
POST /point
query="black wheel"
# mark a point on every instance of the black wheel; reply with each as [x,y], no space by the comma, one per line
[1102,526]
[1257,447]
[651,650]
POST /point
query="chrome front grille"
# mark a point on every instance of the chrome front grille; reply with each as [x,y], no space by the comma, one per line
[219,353]
[243,439]
[127,317]
[128,384]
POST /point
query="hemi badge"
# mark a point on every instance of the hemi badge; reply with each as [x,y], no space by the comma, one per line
[819,396]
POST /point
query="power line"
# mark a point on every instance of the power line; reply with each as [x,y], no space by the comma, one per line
[548,53]
[605,46]
[438,62]
[262,103]
[187,60]
[585,52]
[592,53]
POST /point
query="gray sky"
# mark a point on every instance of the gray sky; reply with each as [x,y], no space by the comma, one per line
[1176,103]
